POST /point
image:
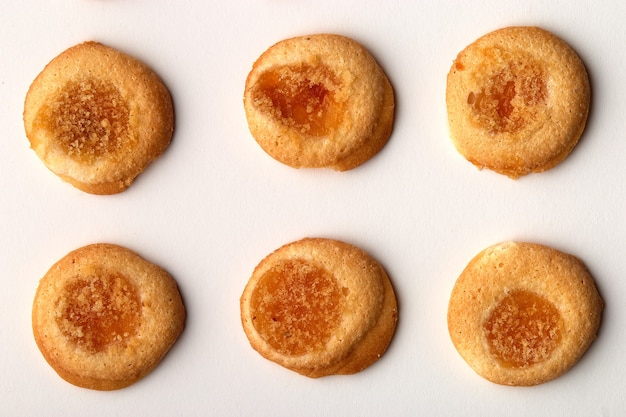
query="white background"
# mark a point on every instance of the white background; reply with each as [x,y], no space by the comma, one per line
[215,204]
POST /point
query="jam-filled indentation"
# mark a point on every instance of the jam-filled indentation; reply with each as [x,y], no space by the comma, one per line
[97,311]
[302,97]
[88,119]
[523,329]
[296,307]
[511,98]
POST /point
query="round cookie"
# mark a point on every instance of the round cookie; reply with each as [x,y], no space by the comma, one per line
[103,317]
[523,313]
[319,101]
[319,307]
[518,100]
[97,117]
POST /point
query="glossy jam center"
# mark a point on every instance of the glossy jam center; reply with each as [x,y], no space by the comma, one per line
[523,329]
[296,306]
[98,311]
[301,97]
[88,119]
[511,98]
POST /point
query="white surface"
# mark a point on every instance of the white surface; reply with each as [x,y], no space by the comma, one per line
[215,204]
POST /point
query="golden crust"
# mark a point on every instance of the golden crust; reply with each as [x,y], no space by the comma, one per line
[319,307]
[319,101]
[518,100]
[523,313]
[97,117]
[103,317]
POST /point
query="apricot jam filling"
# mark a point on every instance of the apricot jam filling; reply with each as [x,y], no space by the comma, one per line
[88,119]
[512,97]
[301,97]
[296,307]
[98,311]
[523,329]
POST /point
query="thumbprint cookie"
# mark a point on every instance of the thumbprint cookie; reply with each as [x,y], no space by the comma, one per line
[319,307]
[523,314]
[518,100]
[103,317]
[319,101]
[97,117]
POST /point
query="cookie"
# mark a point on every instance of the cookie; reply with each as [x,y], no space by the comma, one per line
[103,317]
[319,101]
[97,117]
[518,100]
[319,307]
[523,313]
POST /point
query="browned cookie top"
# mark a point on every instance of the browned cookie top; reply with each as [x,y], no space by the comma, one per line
[517,100]
[97,117]
[319,307]
[523,313]
[103,317]
[319,101]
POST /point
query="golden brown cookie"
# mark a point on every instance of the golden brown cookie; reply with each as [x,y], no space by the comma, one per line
[319,101]
[103,317]
[319,307]
[517,100]
[523,313]
[97,117]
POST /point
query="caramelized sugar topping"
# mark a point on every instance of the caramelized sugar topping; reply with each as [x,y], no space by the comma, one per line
[88,118]
[301,97]
[296,306]
[523,329]
[511,98]
[98,311]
